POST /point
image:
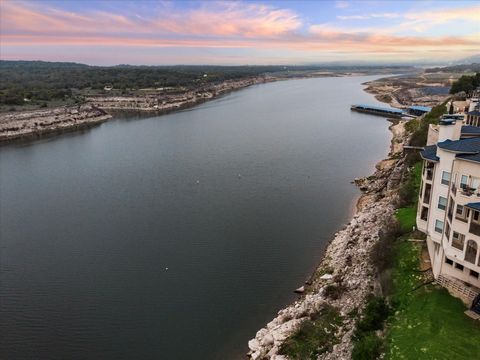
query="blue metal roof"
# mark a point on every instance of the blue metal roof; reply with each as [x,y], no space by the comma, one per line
[465,146]
[429,153]
[470,130]
[477,113]
[469,157]
[420,108]
[474,206]
[379,108]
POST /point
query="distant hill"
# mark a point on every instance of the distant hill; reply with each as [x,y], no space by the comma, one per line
[475,67]
[474,59]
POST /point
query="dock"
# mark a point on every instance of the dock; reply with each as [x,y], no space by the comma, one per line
[409,113]
[378,110]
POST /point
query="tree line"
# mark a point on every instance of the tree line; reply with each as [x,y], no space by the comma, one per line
[40,81]
[466,84]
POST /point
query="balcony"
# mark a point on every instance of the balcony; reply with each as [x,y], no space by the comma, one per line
[474,228]
[467,191]
[424,213]
[429,174]
[426,197]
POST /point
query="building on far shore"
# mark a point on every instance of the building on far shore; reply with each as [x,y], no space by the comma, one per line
[449,204]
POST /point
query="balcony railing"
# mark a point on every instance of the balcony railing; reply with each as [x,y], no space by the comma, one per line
[467,191]
[474,228]
[461,218]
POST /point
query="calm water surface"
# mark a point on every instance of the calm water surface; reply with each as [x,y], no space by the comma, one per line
[236,197]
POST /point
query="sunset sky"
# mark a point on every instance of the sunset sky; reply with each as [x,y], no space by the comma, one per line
[239,32]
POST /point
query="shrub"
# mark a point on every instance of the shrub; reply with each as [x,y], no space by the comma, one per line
[314,336]
[419,136]
[412,125]
[381,255]
[366,344]
[369,348]
[374,316]
[408,192]
[466,84]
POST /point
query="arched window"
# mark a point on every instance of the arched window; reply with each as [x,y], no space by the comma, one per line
[471,252]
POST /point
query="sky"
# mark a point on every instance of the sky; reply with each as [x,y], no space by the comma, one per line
[238,32]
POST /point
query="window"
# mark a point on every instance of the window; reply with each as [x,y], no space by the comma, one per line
[460,210]
[471,252]
[424,213]
[438,226]
[474,274]
[459,266]
[475,183]
[458,240]
[442,203]
[462,213]
[464,182]
[445,178]
[448,261]
[475,215]
[426,193]
[451,206]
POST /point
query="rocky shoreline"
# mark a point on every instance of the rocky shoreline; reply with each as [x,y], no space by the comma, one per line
[427,89]
[33,124]
[164,102]
[346,264]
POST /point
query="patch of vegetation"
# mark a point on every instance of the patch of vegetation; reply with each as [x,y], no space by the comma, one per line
[315,336]
[369,348]
[406,218]
[420,129]
[408,193]
[376,312]
[367,345]
[412,125]
[428,322]
[466,84]
[381,253]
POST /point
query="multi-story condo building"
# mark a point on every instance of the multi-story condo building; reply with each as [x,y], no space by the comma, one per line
[449,205]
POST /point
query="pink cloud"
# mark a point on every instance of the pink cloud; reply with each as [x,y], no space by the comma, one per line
[221,25]
[223,20]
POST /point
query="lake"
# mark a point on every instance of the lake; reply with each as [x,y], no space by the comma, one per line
[178,236]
